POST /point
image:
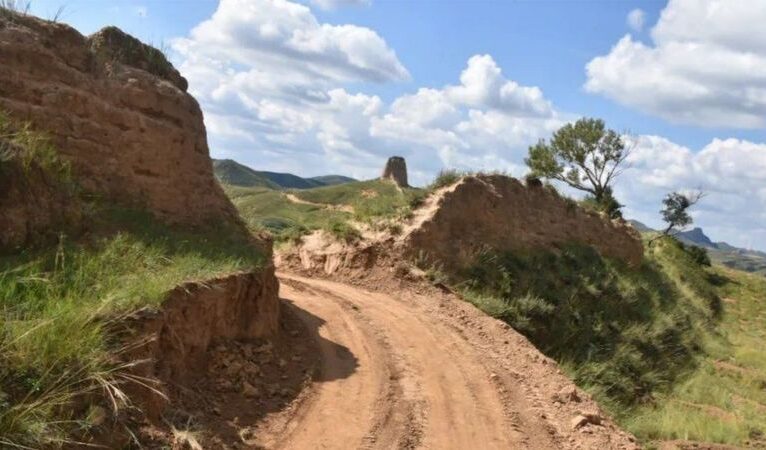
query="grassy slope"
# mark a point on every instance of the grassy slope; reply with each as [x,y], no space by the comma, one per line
[372,201]
[235,174]
[625,333]
[724,398]
[656,346]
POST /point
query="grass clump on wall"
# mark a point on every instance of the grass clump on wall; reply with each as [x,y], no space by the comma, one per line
[22,144]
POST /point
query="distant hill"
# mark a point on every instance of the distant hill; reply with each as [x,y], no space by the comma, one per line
[720,252]
[697,237]
[332,180]
[231,172]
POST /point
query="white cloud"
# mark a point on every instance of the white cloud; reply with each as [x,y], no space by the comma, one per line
[332,4]
[731,171]
[635,19]
[706,65]
[274,85]
[285,35]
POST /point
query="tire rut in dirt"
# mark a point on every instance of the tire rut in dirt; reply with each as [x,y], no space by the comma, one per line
[455,404]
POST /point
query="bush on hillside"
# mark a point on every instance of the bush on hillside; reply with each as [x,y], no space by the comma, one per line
[697,254]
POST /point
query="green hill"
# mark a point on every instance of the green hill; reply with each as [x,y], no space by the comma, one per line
[376,202]
[235,174]
[331,180]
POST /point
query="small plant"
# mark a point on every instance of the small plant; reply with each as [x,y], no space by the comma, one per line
[344,231]
[445,177]
[697,254]
[22,143]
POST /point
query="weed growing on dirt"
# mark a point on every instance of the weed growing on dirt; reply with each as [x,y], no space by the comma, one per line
[446,177]
[21,143]
[344,232]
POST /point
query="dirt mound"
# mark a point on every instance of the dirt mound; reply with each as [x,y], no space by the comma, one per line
[501,213]
[396,170]
[117,110]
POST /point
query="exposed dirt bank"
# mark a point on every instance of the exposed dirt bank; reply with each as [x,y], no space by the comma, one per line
[117,110]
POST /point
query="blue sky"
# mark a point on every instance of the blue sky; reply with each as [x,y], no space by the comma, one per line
[344,94]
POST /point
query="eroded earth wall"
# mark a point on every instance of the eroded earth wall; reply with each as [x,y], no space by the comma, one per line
[117,110]
[501,213]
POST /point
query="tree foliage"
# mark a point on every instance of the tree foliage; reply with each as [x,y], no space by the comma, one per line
[586,156]
[676,210]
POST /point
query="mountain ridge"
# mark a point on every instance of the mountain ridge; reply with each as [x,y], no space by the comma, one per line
[721,252]
[234,173]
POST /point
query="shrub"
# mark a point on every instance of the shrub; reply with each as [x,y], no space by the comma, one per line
[344,231]
[445,177]
[697,254]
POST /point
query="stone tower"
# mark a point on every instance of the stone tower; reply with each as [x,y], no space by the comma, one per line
[396,170]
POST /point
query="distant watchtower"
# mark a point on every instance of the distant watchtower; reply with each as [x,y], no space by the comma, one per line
[396,170]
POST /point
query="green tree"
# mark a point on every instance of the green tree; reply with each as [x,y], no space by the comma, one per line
[586,156]
[676,210]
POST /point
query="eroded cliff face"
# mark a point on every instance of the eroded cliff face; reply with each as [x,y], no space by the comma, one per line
[503,214]
[117,111]
[177,338]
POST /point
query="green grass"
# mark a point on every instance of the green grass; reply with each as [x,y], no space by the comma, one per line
[379,203]
[371,200]
[657,345]
[57,305]
[268,209]
[21,143]
[446,177]
[724,399]
[623,333]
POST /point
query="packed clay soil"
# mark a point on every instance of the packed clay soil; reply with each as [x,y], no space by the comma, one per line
[413,367]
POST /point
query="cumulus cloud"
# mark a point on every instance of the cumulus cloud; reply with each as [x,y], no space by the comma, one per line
[285,35]
[635,19]
[277,89]
[706,65]
[731,171]
[274,84]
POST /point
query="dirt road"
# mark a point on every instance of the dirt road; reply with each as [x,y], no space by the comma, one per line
[405,370]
